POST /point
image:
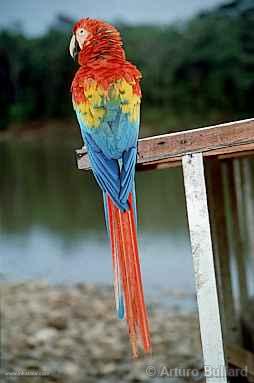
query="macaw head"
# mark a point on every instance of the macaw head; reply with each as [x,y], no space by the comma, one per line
[95,39]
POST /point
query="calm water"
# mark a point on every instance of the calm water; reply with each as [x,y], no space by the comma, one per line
[52,224]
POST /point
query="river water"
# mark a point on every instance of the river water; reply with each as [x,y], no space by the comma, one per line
[52,224]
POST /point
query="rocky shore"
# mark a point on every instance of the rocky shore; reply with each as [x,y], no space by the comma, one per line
[71,334]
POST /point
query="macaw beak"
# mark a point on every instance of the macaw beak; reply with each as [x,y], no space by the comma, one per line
[74,47]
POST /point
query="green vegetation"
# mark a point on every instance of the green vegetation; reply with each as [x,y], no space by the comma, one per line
[204,67]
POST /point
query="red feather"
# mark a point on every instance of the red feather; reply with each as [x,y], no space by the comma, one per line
[123,237]
[102,59]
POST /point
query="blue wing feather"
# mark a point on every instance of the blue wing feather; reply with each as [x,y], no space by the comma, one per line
[112,151]
[127,173]
[106,171]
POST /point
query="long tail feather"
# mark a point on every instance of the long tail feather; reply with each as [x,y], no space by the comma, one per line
[139,285]
[127,273]
[115,260]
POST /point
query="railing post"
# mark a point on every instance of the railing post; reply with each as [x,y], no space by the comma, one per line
[218,207]
[248,201]
[236,208]
[204,270]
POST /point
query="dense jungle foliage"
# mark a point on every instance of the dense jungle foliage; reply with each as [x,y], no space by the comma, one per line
[205,64]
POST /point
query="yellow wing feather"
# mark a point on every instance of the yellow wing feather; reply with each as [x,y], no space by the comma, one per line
[94,108]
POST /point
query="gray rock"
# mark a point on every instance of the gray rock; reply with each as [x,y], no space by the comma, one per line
[58,322]
[44,335]
[72,332]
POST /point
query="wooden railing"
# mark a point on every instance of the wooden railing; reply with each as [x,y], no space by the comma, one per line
[220,328]
[226,140]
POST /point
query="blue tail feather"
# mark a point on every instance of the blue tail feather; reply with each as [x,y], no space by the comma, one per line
[118,288]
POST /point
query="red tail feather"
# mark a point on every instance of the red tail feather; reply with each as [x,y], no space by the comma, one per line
[123,236]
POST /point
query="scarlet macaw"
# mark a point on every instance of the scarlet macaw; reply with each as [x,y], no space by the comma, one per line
[106,97]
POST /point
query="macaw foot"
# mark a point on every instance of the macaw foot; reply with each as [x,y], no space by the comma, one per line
[81,152]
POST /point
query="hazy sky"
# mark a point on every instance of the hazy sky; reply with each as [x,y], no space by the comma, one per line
[37,15]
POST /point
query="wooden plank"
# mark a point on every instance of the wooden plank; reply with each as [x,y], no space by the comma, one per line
[238,179]
[203,262]
[241,358]
[243,150]
[197,140]
[248,202]
[224,139]
[217,213]
[233,185]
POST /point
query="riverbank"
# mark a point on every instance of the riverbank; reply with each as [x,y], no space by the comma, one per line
[71,334]
[154,121]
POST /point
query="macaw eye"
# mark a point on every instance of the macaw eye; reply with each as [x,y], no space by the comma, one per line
[81,32]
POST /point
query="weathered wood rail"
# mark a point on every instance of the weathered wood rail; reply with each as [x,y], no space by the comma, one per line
[226,140]
[224,178]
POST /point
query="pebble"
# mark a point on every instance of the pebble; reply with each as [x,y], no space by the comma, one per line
[42,336]
[72,333]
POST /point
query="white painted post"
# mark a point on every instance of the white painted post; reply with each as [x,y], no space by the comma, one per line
[204,270]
